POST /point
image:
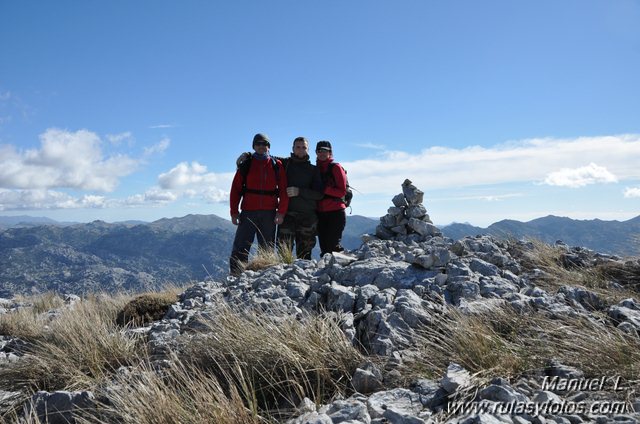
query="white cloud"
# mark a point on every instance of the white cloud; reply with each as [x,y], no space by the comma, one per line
[630,192]
[214,194]
[72,160]
[159,147]
[186,174]
[12,200]
[193,180]
[161,126]
[46,199]
[153,196]
[64,160]
[117,139]
[371,146]
[580,177]
[523,161]
[5,96]
[485,198]
[160,196]
[185,180]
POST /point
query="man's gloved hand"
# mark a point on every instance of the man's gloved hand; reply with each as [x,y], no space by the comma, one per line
[243,156]
[293,191]
[235,219]
[278,219]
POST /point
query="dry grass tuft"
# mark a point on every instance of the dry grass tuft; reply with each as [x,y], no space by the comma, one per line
[548,258]
[285,251]
[27,323]
[505,343]
[75,350]
[266,257]
[490,343]
[282,359]
[23,324]
[597,278]
[626,274]
[46,302]
[242,368]
[146,308]
[177,394]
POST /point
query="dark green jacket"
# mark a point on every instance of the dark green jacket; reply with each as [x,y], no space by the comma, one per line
[303,174]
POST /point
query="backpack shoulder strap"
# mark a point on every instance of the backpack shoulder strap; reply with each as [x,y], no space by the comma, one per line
[285,163]
[276,169]
[328,174]
[245,166]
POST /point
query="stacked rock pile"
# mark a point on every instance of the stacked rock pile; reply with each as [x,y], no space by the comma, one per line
[407,219]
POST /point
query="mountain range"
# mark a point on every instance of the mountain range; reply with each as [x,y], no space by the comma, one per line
[614,237]
[38,254]
[100,256]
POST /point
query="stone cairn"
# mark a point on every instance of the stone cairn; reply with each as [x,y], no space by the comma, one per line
[407,219]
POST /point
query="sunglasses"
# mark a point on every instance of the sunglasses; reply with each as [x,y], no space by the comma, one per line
[261,143]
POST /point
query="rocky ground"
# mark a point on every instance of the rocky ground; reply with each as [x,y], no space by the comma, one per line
[400,299]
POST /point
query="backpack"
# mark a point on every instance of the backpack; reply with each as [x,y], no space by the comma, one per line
[348,196]
[244,167]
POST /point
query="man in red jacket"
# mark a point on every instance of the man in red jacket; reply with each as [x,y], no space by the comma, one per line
[331,209]
[261,183]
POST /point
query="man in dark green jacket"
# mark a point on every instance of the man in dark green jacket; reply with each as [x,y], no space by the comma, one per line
[304,189]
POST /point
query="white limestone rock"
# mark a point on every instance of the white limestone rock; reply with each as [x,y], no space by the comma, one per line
[455,378]
[402,401]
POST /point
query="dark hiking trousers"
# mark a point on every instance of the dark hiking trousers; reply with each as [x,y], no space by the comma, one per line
[330,228]
[252,223]
[301,229]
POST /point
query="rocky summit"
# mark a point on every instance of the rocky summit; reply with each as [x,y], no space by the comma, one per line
[418,306]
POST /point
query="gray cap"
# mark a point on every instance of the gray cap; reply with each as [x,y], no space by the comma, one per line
[260,137]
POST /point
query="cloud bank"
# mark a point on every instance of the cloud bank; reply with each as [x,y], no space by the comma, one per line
[568,162]
[12,200]
[64,160]
[32,178]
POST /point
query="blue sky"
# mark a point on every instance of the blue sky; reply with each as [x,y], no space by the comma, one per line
[119,110]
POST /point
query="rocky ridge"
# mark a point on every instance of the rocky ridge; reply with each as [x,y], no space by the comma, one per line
[400,281]
[98,256]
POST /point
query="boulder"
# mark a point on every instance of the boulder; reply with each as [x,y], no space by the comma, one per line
[403,402]
[455,378]
[59,407]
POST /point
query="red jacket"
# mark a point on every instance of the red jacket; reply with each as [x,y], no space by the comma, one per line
[335,187]
[261,176]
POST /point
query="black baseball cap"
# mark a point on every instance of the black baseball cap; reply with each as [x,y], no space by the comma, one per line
[323,145]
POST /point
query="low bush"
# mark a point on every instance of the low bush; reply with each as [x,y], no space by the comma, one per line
[145,308]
